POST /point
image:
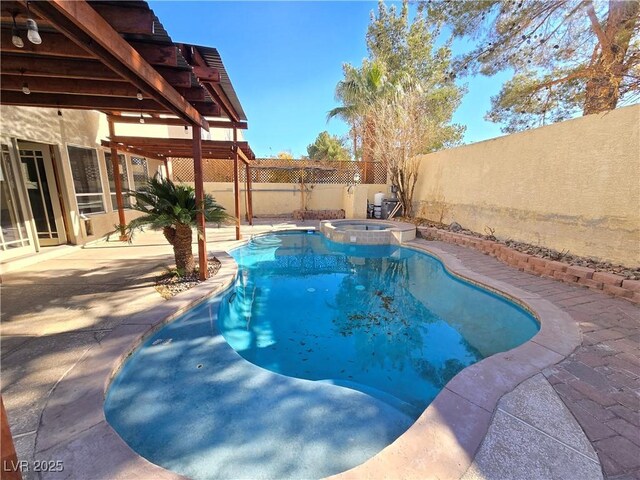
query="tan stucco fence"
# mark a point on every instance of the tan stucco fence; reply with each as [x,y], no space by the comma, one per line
[570,186]
[281,199]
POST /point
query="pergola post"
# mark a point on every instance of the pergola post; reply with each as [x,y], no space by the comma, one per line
[115,161]
[249,199]
[200,220]
[236,183]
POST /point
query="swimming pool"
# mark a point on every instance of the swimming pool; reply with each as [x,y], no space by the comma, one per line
[352,341]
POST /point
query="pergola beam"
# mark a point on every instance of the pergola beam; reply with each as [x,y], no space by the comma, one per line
[80,69]
[209,152]
[220,98]
[62,68]
[242,155]
[207,74]
[90,102]
[176,143]
[101,88]
[178,122]
[58,45]
[200,66]
[125,18]
[133,150]
[69,87]
[85,26]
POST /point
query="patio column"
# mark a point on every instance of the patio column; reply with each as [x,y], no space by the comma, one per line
[10,468]
[115,161]
[200,220]
[249,199]
[236,183]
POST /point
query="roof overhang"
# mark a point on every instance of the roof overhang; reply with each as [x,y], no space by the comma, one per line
[101,55]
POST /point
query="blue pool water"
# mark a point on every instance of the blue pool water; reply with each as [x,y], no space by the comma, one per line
[378,329]
[378,318]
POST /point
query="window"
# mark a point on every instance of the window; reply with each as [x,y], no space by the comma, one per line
[86,179]
[140,171]
[124,180]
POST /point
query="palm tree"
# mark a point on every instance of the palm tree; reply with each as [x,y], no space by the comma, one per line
[358,91]
[173,209]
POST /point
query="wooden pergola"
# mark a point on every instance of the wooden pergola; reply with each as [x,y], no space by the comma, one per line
[116,57]
[166,148]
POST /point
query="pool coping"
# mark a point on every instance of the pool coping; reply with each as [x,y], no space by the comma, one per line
[440,444]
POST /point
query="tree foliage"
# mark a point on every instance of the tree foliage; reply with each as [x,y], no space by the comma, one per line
[328,147]
[405,74]
[358,91]
[567,55]
[284,155]
[406,125]
[173,209]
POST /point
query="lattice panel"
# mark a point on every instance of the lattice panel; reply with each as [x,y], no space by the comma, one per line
[284,171]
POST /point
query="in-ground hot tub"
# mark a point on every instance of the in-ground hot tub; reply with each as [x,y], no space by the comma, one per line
[368,232]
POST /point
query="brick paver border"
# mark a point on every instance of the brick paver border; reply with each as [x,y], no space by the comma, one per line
[610,283]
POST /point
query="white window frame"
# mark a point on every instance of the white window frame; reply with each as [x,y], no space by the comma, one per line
[102,174]
[133,182]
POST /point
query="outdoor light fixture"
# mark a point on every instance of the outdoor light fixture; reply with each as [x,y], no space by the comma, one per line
[141,119]
[15,34]
[59,112]
[139,95]
[25,88]
[32,29]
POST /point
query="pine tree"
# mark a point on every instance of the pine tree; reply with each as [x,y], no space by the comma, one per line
[568,56]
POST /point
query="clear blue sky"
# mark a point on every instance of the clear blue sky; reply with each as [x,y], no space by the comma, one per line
[285,58]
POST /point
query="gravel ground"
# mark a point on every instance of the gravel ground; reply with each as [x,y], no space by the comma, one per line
[169,284]
[632,273]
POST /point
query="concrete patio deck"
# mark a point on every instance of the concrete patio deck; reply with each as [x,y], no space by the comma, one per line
[56,312]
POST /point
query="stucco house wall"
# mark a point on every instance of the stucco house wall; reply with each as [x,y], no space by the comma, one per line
[81,128]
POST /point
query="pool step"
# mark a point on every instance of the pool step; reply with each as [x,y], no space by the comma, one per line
[397,403]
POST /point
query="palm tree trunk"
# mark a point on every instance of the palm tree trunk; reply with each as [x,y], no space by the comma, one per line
[182,249]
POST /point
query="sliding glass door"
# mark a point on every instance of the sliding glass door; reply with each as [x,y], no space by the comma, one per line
[39,178]
[15,227]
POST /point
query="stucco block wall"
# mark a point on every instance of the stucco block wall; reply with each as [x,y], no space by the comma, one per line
[571,186]
[355,201]
[281,199]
